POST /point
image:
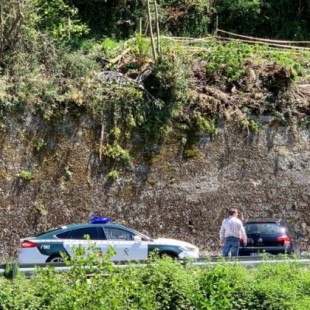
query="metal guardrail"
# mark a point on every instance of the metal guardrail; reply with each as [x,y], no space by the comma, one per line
[11,269]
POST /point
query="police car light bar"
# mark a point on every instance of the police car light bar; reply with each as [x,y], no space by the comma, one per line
[99,220]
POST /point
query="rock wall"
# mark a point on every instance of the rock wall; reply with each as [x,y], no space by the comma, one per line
[266,174]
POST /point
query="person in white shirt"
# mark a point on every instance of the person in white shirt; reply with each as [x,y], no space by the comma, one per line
[231,232]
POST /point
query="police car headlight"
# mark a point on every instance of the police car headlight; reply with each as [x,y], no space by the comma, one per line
[188,248]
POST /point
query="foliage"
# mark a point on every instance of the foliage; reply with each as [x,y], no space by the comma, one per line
[115,153]
[287,19]
[116,19]
[25,175]
[238,16]
[191,151]
[43,78]
[290,60]
[205,125]
[142,47]
[168,79]
[111,48]
[168,85]
[68,20]
[159,284]
[229,60]
[121,19]
[235,63]
[112,175]
[186,17]
[10,25]
[59,19]
[39,145]
[249,125]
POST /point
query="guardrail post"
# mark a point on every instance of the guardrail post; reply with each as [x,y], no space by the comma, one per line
[14,270]
[11,270]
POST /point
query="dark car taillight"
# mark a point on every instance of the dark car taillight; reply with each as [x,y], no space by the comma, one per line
[286,240]
[28,244]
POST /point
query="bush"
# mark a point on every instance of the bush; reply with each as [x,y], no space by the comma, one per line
[238,15]
[159,284]
[25,175]
[186,18]
[59,19]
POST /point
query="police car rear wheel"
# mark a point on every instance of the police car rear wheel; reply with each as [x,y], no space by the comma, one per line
[55,259]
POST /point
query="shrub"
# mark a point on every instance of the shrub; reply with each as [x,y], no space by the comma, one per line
[115,153]
[186,17]
[59,19]
[249,125]
[205,125]
[25,175]
[228,60]
[238,15]
[159,284]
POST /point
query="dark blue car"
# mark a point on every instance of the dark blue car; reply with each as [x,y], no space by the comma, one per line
[272,236]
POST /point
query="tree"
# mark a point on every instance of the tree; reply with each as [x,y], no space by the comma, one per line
[11,17]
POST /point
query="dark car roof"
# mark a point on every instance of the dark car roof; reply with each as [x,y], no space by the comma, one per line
[263,220]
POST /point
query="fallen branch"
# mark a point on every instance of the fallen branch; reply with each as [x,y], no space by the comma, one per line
[266,43]
[263,40]
[116,59]
[188,39]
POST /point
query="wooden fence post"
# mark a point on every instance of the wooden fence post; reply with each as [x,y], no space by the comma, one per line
[151,29]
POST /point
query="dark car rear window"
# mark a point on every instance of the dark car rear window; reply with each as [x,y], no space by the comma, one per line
[263,228]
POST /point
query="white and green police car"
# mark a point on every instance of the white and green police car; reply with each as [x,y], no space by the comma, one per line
[128,243]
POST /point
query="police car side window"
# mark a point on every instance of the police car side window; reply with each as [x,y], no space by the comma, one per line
[117,234]
[93,233]
[64,235]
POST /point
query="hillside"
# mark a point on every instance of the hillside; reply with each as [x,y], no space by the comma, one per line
[163,141]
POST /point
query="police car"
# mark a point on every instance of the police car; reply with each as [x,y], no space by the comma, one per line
[128,243]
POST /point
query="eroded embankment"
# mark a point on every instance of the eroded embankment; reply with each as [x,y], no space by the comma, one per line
[162,193]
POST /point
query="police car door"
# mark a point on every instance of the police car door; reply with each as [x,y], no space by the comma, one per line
[87,237]
[125,246]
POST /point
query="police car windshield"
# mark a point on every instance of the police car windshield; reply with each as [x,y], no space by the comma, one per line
[143,237]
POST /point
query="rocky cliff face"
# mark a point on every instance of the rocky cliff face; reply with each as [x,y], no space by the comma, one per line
[266,174]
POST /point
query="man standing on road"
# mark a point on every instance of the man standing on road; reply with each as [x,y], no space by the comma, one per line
[231,232]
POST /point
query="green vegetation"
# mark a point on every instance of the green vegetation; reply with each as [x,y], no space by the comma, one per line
[205,125]
[287,19]
[51,53]
[25,175]
[249,125]
[159,284]
[112,175]
[39,145]
[59,19]
[115,152]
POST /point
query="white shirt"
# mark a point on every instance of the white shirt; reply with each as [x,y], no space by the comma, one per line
[232,227]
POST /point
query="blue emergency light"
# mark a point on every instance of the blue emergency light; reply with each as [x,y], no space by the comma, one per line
[99,220]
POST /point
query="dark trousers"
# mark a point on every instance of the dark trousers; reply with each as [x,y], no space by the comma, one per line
[231,244]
